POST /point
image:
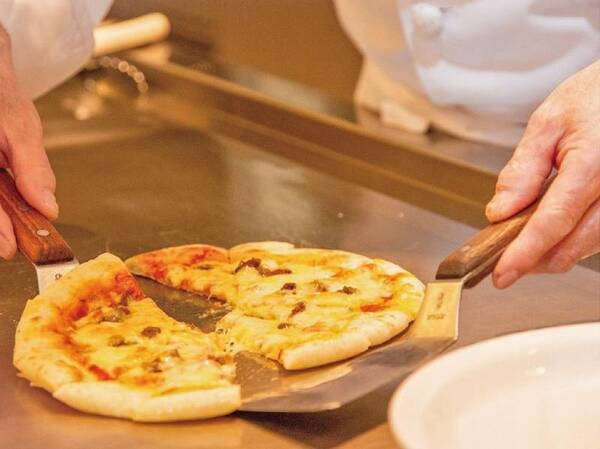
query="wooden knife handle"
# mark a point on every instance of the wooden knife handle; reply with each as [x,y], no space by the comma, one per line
[37,238]
[478,256]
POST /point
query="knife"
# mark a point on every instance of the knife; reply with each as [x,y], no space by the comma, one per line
[37,238]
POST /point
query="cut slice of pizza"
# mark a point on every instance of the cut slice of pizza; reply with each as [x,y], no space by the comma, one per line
[98,344]
[307,307]
[202,269]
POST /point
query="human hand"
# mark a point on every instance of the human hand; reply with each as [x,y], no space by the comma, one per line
[21,149]
[563,133]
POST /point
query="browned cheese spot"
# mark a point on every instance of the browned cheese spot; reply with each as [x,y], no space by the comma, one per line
[320,287]
[250,263]
[151,331]
[299,307]
[116,340]
[153,366]
[275,272]
[114,315]
[256,264]
[125,310]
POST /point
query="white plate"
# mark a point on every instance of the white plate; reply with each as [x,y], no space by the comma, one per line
[531,390]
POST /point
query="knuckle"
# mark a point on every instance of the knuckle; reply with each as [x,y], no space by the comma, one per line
[562,262]
[563,217]
[506,177]
[519,175]
[547,117]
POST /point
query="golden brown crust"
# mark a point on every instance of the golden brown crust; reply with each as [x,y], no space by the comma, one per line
[245,250]
[322,352]
[113,399]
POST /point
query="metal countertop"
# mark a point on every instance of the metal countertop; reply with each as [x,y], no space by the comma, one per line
[140,182]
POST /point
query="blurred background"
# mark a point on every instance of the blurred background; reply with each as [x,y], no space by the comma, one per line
[298,40]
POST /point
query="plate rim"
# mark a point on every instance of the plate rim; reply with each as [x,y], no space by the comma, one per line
[499,344]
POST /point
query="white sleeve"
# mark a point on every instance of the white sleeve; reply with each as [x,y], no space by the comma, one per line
[51,40]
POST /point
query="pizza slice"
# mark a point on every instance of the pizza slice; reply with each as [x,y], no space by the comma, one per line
[202,269]
[308,307]
[98,344]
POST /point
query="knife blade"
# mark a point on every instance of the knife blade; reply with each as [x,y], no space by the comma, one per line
[37,239]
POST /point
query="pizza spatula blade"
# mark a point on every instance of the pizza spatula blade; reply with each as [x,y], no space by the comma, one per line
[267,387]
[435,329]
[332,386]
[37,238]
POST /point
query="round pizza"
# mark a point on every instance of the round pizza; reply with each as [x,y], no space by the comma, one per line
[96,342]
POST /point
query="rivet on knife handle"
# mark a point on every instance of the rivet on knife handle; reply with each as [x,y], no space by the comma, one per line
[37,238]
[476,258]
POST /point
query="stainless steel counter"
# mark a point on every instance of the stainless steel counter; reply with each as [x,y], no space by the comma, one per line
[140,177]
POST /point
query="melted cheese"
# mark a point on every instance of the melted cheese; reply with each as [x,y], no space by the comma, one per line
[284,296]
[147,348]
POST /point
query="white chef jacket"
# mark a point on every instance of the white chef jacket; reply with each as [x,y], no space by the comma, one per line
[474,68]
[51,39]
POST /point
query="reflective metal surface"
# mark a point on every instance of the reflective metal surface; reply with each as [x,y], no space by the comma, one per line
[134,177]
[267,387]
[454,177]
[47,274]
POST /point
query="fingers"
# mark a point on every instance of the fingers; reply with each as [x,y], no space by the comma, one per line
[576,187]
[29,163]
[519,183]
[36,182]
[8,244]
[579,244]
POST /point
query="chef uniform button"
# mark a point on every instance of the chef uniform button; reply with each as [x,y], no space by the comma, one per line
[426,18]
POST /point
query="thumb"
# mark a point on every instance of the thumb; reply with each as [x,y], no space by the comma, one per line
[36,182]
[521,180]
[30,166]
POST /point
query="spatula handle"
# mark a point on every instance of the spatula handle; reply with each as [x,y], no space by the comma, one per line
[37,239]
[479,255]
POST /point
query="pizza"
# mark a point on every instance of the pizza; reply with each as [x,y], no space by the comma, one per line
[299,306]
[97,343]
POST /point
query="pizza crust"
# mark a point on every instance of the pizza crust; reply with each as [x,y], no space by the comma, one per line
[113,399]
[380,327]
[321,352]
[242,251]
[363,333]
